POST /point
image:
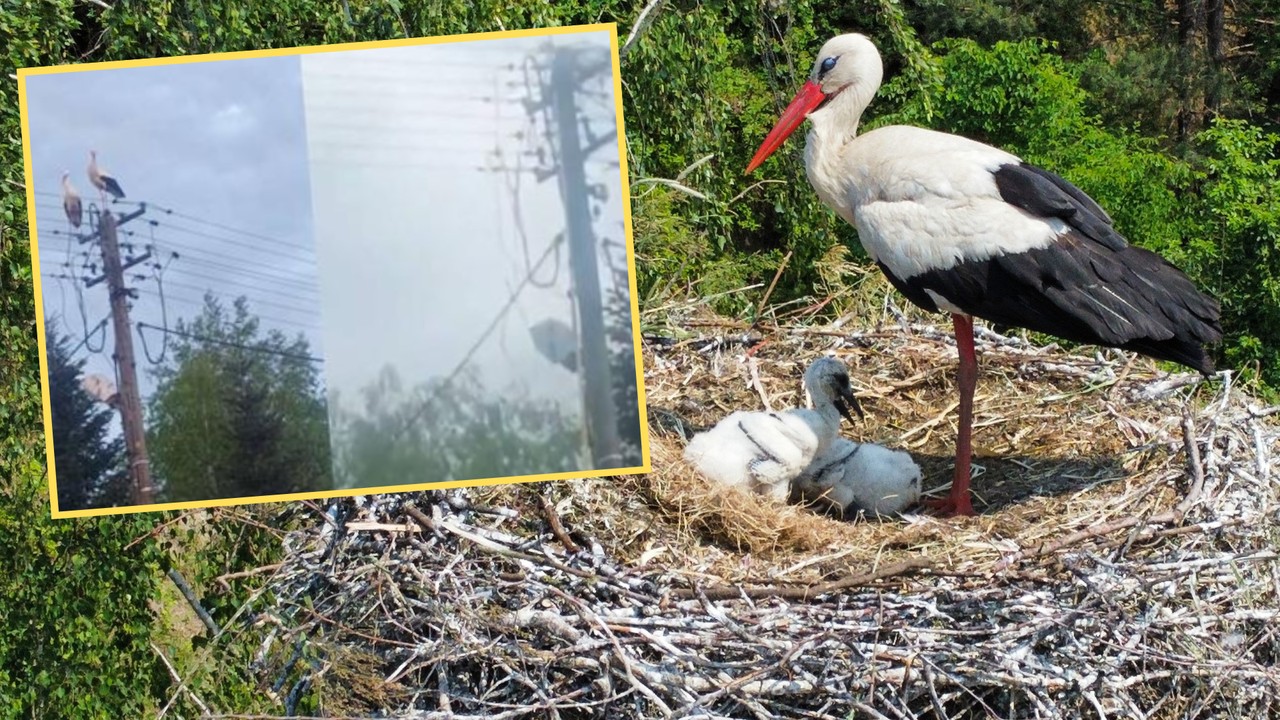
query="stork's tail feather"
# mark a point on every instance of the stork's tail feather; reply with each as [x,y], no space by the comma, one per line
[1190,353]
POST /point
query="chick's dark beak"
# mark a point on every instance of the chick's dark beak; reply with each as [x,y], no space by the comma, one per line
[845,400]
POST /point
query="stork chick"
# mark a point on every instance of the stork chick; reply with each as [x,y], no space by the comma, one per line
[849,476]
[763,452]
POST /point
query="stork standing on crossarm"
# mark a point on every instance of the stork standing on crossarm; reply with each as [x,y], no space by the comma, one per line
[101,179]
[968,229]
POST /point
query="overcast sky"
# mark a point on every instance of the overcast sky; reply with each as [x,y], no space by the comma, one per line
[223,145]
[363,212]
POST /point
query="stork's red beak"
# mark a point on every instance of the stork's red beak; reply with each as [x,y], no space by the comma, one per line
[809,97]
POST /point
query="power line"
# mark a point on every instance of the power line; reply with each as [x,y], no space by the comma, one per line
[484,335]
[281,306]
[284,294]
[228,228]
[337,126]
[193,254]
[186,216]
[237,282]
[200,303]
[303,294]
[249,246]
[228,343]
[298,248]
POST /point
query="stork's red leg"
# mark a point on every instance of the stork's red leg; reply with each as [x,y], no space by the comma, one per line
[957,501]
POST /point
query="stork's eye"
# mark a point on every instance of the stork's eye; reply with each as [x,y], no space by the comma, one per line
[826,66]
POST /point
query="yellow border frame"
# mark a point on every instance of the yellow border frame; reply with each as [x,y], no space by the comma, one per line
[24,73]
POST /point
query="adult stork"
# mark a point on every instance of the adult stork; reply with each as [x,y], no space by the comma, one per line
[71,204]
[963,227]
[101,179]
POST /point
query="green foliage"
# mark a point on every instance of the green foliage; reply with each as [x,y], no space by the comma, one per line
[449,431]
[237,413]
[88,461]
[712,78]
[77,622]
[1025,99]
[1237,223]
[1215,215]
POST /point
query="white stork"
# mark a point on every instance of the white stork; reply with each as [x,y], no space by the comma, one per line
[557,341]
[966,228]
[71,201]
[100,388]
[101,179]
[850,476]
[764,451]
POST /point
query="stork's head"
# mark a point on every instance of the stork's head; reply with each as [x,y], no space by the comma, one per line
[827,381]
[848,67]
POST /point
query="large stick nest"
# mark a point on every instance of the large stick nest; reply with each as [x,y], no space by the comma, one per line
[1122,564]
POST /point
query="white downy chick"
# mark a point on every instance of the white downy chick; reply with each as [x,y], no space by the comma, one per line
[849,476]
[764,451]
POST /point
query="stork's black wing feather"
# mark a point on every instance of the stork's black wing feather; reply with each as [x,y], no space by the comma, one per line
[1079,290]
[1046,194]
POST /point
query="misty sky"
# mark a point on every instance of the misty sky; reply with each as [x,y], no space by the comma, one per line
[418,243]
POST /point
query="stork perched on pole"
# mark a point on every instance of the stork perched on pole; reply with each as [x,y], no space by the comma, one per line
[71,204]
[965,228]
[101,179]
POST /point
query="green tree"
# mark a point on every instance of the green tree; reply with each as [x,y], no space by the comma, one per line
[86,457]
[1237,232]
[441,431]
[237,412]
[75,597]
[622,355]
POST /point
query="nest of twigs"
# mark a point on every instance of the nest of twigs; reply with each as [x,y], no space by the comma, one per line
[1122,564]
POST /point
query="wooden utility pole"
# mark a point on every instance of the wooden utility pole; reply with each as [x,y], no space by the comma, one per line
[601,417]
[130,403]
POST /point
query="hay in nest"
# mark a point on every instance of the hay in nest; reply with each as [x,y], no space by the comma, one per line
[1122,564]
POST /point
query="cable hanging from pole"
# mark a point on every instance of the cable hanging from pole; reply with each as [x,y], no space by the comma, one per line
[157,273]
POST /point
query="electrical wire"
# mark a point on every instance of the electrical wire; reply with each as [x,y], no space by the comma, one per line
[484,335]
[228,343]
[157,272]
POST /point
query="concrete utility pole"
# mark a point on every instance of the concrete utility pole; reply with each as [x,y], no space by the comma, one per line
[602,417]
[130,403]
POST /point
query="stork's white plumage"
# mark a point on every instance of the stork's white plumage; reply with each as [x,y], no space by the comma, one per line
[103,180]
[71,204]
[850,476]
[763,452]
[966,228]
[557,341]
[100,388]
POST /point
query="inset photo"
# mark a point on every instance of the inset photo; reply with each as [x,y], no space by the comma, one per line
[308,272]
